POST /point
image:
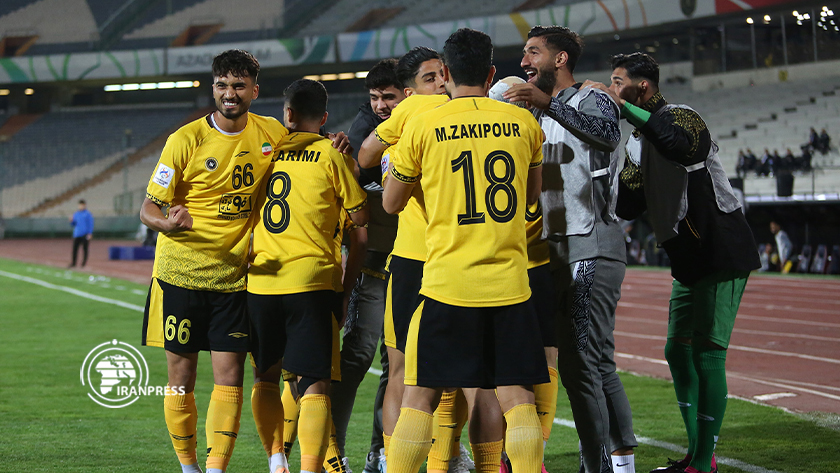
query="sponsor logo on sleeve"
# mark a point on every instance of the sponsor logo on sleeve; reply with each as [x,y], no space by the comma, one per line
[163,175]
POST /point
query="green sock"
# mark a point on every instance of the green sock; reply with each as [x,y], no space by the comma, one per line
[711,369]
[686,386]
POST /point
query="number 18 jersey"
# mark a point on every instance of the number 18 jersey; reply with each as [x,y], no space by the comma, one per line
[473,154]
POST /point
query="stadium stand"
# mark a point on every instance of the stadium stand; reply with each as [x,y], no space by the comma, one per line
[64,148]
[10,6]
[245,18]
[104,197]
[344,13]
[53,21]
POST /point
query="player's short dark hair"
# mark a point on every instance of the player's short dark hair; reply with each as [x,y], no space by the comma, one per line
[469,56]
[410,63]
[236,62]
[383,75]
[638,66]
[560,38]
[308,98]
[82,201]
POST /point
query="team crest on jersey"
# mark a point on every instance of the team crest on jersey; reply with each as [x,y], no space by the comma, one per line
[163,175]
[211,164]
[266,149]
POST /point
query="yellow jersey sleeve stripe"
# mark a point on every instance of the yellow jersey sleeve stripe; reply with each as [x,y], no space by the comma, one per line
[535,165]
[356,209]
[381,140]
[403,178]
[155,199]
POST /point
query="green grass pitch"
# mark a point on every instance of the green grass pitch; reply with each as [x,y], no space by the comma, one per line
[50,424]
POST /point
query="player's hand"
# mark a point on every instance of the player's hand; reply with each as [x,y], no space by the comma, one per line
[528,93]
[341,142]
[598,85]
[89,236]
[179,219]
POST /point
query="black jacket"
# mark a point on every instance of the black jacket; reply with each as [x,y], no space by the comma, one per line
[364,123]
[708,239]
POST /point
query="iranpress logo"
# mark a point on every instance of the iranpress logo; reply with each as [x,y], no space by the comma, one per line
[116,374]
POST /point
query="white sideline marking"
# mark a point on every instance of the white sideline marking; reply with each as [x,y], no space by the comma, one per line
[777,383]
[770,397]
[739,347]
[749,468]
[70,290]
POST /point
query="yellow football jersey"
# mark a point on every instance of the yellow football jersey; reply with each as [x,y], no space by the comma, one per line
[473,154]
[537,247]
[216,177]
[294,248]
[342,228]
[410,242]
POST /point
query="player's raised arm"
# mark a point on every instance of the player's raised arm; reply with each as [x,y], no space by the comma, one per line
[371,151]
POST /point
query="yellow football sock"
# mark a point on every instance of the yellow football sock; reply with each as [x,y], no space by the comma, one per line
[268,415]
[181,419]
[523,439]
[225,410]
[443,429]
[545,397]
[462,414]
[332,462]
[386,442]
[208,430]
[412,440]
[313,431]
[487,456]
[291,410]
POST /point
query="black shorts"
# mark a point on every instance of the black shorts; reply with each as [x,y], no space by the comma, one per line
[474,347]
[295,328]
[402,299]
[544,300]
[195,320]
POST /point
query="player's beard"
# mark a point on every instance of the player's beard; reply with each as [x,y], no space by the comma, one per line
[546,80]
[234,113]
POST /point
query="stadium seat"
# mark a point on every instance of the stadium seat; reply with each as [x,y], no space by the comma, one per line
[804,259]
[818,266]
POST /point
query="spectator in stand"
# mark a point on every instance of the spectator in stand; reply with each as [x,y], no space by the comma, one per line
[783,245]
[788,162]
[82,222]
[813,139]
[824,142]
[750,159]
[805,161]
[776,163]
[741,164]
[766,165]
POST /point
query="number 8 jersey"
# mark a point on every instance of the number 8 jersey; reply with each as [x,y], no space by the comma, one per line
[216,176]
[473,154]
[308,184]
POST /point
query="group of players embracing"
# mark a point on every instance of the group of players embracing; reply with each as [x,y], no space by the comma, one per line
[501,273]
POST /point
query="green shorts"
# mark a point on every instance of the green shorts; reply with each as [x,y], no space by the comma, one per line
[707,308]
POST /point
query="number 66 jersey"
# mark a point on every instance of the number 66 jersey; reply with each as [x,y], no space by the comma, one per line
[298,209]
[216,176]
[472,156]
